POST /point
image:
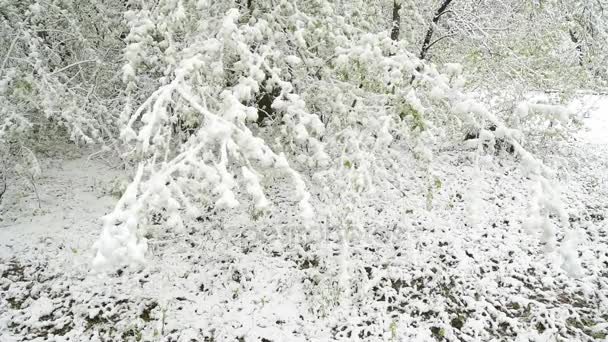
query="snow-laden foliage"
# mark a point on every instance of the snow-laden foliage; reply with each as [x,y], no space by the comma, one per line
[58,71]
[302,170]
[520,45]
[225,99]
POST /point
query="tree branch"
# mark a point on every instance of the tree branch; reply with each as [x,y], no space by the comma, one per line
[8,53]
[5,186]
[440,39]
[72,65]
[426,44]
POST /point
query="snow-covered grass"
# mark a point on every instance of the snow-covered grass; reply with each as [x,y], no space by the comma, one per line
[417,269]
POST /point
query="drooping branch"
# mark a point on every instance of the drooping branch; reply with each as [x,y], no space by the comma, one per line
[427,44]
[440,39]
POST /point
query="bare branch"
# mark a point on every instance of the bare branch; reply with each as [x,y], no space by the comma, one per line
[440,39]
[426,44]
[72,65]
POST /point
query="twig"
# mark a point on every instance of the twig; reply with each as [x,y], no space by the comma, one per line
[31,176]
[72,65]
[32,181]
[5,184]
[440,39]
[8,53]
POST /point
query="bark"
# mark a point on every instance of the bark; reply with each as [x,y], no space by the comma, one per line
[396,20]
[426,44]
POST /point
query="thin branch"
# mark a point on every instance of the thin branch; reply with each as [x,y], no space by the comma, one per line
[72,65]
[440,39]
[32,181]
[8,53]
[5,182]
[429,33]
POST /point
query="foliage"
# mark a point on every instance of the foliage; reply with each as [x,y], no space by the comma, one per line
[211,101]
[349,105]
[57,70]
[307,117]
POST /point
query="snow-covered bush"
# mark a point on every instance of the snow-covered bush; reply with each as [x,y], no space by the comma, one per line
[350,107]
[322,166]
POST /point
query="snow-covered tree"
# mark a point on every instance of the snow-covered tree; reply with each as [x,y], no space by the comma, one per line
[224,95]
[526,45]
[387,157]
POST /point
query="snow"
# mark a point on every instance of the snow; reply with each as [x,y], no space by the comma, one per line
[228,276]
[41,307]
[594,110]
[358,209]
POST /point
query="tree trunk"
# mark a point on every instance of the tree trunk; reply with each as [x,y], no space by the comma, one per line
[396,20]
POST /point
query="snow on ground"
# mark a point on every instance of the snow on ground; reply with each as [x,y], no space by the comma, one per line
[595,110]
[409,274]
